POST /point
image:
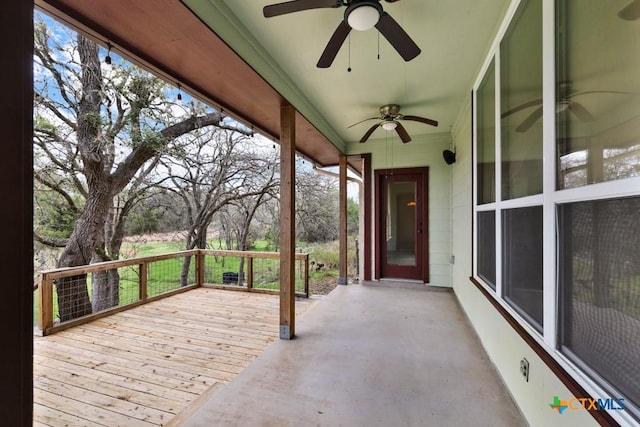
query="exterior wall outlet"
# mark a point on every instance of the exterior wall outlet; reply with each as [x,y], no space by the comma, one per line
[524,369]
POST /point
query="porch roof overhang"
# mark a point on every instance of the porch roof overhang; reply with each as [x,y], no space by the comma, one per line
[169,40]
[227,54]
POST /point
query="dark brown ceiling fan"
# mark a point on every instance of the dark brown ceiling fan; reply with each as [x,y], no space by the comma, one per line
[359,15]
[565,102]
[630,12]
[389,119]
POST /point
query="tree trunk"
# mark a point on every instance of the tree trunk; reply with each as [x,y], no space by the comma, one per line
[73,297]
[106,290]
[196,238]
[86,245]
[184,274]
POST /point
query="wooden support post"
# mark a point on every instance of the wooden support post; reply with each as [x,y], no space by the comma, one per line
[200,268]
[16,215]
[342,279]
[249,273]
[306,275]
[287,221]
[366,212]
[143,271]
[45,301]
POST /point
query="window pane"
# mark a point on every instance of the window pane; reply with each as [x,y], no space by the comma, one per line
[486,140]
[600,289]
[522,261]
[487,247]
[521,103]
[598,106]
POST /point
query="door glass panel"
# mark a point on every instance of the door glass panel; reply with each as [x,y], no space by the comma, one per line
[401,223]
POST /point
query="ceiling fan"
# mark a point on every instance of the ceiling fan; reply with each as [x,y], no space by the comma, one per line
[566,102]
[360,15]
[630,12]
[389,119]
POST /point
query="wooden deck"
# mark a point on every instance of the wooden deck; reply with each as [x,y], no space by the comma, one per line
[147,365]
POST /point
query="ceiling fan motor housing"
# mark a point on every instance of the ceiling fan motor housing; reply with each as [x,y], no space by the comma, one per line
[389,110]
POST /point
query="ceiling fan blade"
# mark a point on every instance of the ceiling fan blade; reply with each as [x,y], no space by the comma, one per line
[334,45]
[365,120]
[402,133]
[369,132]
[398,38]
[529,121]
[581,113]
[599,92]
[631,12]
[421,120]
[521,107]
[296,6]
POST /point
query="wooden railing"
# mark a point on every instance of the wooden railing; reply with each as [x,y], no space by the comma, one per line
[183,271]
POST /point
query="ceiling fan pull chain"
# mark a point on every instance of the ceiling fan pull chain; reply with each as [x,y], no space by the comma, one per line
[349,64]
[378,45]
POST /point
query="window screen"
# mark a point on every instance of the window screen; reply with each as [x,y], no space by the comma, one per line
[600,289]
[487,247]
[522,261]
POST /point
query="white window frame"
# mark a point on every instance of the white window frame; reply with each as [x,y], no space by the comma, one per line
[549,199]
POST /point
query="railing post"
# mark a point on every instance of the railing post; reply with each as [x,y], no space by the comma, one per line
[306,275]
[45,299]
[200,267]
[142,281]
[249,273]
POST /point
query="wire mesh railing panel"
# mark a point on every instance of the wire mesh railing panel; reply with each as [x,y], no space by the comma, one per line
[266,273]
[225,270]
[170,274]
[252,270]
[71,296]
[83,294]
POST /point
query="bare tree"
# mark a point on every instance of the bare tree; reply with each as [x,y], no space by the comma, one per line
[316,209]
[104,133]
[220,170]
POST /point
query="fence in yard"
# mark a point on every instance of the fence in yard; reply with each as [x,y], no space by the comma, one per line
[71,296]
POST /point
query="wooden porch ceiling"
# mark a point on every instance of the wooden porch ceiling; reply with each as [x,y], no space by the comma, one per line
[166,38]
[148,365]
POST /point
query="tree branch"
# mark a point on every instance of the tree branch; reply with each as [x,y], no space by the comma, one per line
[55,187]
[54,242]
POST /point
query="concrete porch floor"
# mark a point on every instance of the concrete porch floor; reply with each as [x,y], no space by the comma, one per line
[389,355]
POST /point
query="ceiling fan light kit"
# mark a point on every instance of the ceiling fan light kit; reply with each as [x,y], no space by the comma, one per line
[388,126]
[364,15]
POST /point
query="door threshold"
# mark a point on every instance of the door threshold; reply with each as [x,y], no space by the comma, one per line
[394,279]
[397,284]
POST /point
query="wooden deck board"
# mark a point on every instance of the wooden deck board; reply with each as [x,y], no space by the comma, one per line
[144,366]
